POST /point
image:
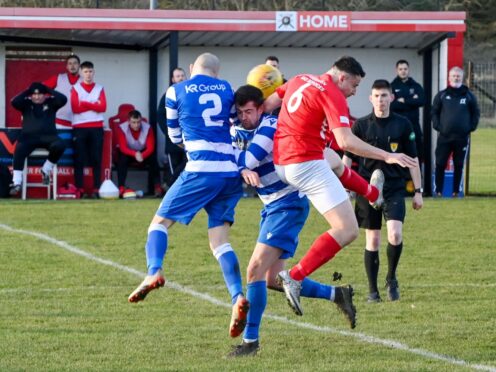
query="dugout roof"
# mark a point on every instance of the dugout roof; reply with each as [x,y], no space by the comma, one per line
[153,30]
[145,29]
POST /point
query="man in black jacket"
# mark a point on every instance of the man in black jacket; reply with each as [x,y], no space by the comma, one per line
[38,105]
[455,114]
[392,133]
[408,98]
[176,155]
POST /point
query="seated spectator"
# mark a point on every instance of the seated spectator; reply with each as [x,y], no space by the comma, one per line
[136,143]
[38,106]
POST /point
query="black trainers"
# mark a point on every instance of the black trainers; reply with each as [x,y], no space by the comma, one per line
[392,288]
[45,178]
[373,298]
[245,349]
[343,299]
[15,189]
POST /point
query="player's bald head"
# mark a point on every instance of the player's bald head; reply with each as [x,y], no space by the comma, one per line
[207,64]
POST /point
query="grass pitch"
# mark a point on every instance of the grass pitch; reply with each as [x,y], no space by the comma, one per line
[62,311]
[482,162]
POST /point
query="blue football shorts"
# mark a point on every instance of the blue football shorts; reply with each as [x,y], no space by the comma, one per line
[193,191]
[282,221]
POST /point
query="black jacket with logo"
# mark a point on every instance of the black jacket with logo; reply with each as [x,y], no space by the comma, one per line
[39,118]
[455,112]
[392,134]
[407,89]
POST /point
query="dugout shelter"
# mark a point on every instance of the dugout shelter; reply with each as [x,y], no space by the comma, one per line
[135,50]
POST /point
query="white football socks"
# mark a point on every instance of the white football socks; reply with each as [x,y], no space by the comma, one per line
[17,177]
[47,166]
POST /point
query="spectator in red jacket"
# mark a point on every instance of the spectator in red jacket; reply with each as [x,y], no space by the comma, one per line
[88,103]
[63,83]
[136,143]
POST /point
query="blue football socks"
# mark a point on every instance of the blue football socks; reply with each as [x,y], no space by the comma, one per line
[230,269]
[256,294]
[156,246]
[313,289]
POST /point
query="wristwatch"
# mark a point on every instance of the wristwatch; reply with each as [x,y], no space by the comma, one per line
[420,190]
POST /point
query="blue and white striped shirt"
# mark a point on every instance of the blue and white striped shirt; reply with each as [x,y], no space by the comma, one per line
[198,113]
[256,145]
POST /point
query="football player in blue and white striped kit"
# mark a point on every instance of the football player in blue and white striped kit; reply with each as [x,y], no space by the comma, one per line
[283,216]
[198,114]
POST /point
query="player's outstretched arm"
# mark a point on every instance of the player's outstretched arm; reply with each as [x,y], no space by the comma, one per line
[272,103]
[349,142]
[401,159]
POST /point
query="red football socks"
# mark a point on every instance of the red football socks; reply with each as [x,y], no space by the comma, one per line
[351,180]
[322,250]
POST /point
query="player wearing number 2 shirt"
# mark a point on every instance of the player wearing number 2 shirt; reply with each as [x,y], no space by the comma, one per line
[198,112]
[312,107]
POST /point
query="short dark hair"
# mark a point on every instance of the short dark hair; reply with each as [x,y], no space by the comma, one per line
[248,93]
[381,84]
[134,114]
[72,56]
[177,69]
[349,65]
[87,64]
[401,62]
[272,58]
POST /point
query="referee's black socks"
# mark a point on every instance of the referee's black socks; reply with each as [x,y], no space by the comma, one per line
[393,255]
[371,261]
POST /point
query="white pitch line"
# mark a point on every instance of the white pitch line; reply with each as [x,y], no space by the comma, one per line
[53,290]
[357,335]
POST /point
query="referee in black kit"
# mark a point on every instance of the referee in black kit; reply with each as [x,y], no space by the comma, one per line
[393,133]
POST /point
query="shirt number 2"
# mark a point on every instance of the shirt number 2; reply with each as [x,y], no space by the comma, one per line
[212,111]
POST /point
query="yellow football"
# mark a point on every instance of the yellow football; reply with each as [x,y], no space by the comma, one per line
[266,78]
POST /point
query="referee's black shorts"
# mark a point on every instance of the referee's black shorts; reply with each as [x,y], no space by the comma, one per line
[392,209]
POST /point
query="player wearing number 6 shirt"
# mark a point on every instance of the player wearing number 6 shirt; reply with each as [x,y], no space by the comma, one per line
[198,113]
[312,107]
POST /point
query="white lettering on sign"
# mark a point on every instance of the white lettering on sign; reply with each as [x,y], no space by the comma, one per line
[323,21]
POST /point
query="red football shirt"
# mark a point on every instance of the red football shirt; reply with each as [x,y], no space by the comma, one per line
[333,144]
[312,107]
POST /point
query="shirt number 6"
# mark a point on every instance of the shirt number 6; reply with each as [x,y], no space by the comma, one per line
[296,98]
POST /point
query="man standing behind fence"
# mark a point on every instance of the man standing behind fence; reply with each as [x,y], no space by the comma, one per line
[455,114]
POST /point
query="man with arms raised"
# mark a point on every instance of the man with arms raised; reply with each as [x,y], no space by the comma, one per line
[38,105]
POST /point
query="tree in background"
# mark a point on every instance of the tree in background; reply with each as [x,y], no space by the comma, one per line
[481,23]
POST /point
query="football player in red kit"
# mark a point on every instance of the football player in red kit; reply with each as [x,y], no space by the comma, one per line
[313,107]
